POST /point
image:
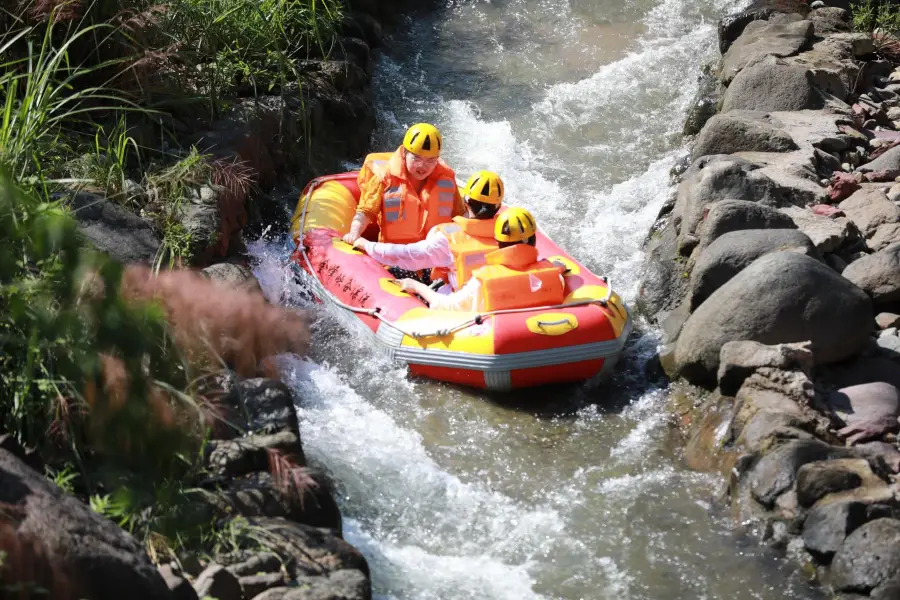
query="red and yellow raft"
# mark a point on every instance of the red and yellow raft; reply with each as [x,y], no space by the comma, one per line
[578,340]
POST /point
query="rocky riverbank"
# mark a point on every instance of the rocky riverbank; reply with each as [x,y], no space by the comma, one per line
[774,275]
[276,528]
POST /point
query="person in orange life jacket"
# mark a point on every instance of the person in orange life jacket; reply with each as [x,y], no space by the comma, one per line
[451,250]
[408,191]
[512,278]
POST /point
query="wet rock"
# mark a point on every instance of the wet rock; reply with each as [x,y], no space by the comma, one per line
[179,586]
[827,234]
[308,551]
[201,224]
[868,209]
[731,252]
[818,479]
[664,284]
[767,426]
[299,494]
[776,472]
[772,84]
[739,215]
[114,229]
[103,557]
[878,275]
[740,131]
[254,585]
[739,360]
[705,103]
[868,410]
[232,275]
[777,392]
[827,526]
[869,557]
[263,406]
[761,38]
[793,312]
[233,458]
[345,584]
[218,583]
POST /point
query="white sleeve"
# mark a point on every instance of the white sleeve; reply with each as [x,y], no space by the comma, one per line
[466,299]
[433,251]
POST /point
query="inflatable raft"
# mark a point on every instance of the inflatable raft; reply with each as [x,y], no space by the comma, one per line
[578,340]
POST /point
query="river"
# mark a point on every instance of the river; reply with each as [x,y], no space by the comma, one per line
[575,492]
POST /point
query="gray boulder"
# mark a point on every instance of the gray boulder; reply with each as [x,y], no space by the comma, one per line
[233,275]
[868,558]
[732,252]
[818,479]
[829,19]
[739,360]
[740,131]
[826,233]
[345,584]
[803,300]
[739,215]
[828,525]
[762,38]
[772,84]
[869,209]
[216,582]
[878,275]
[889,161]
[114,229]
[776,472]
[100,559]
[732,26]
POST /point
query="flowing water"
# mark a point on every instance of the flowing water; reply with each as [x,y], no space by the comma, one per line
[570,492]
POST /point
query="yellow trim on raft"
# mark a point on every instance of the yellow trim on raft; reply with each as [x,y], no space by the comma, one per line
[476,339]
[616,312]
[331,206]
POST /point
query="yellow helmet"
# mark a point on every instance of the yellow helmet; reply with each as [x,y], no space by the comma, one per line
[423,140]
[515,224]
[484,186]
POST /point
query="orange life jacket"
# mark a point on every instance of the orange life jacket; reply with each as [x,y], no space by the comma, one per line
[406,216]
[515,278]
[470,241]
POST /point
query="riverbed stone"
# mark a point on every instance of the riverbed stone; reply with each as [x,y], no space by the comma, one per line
[884,236]
[868,410]
[262,405]
[827,526]
[739,131]
[829,19]
[233,458]
[888,162]
[731,216]
[794,286]
[886,320]
[344,584]
[739,360]
[772,84]
[870,208]
[762,38]
[878,275]
[113,229]
[179,586]
[776,472]
[254,585]
[766,427]
[828,234]
[818,479]
[733,251]
[731,26]
[868,558]
[216,582]
[233,275]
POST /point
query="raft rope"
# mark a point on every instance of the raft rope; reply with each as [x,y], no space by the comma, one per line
[376,312]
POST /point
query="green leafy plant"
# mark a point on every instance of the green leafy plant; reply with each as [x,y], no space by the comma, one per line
[870,15]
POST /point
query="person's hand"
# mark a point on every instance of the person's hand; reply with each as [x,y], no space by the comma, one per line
[350,238]
[409,285]
[360,243]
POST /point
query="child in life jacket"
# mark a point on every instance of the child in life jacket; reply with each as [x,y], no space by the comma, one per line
[512,278]
[453,251]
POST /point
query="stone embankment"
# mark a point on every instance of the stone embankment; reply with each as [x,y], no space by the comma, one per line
[774,274]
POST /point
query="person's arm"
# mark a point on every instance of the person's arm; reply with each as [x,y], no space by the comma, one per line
[433,251]
[465,299]
[370,197]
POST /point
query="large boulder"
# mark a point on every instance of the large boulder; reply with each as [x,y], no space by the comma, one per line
[782,297]
[828,234]
[662,285]
[739,131]
[731,253]
[739,360]
[739,215]
[732,26]
[828,525]
[878,275]
[869,209]
[829,19]
[100,559]
[705,103]
[776,472]
[761,38]
[772,84]
[114,229]
[869,557]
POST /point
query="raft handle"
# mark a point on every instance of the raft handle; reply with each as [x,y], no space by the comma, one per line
[560,322]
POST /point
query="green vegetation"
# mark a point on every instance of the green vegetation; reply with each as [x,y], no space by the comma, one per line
[98,382]
[870,15]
